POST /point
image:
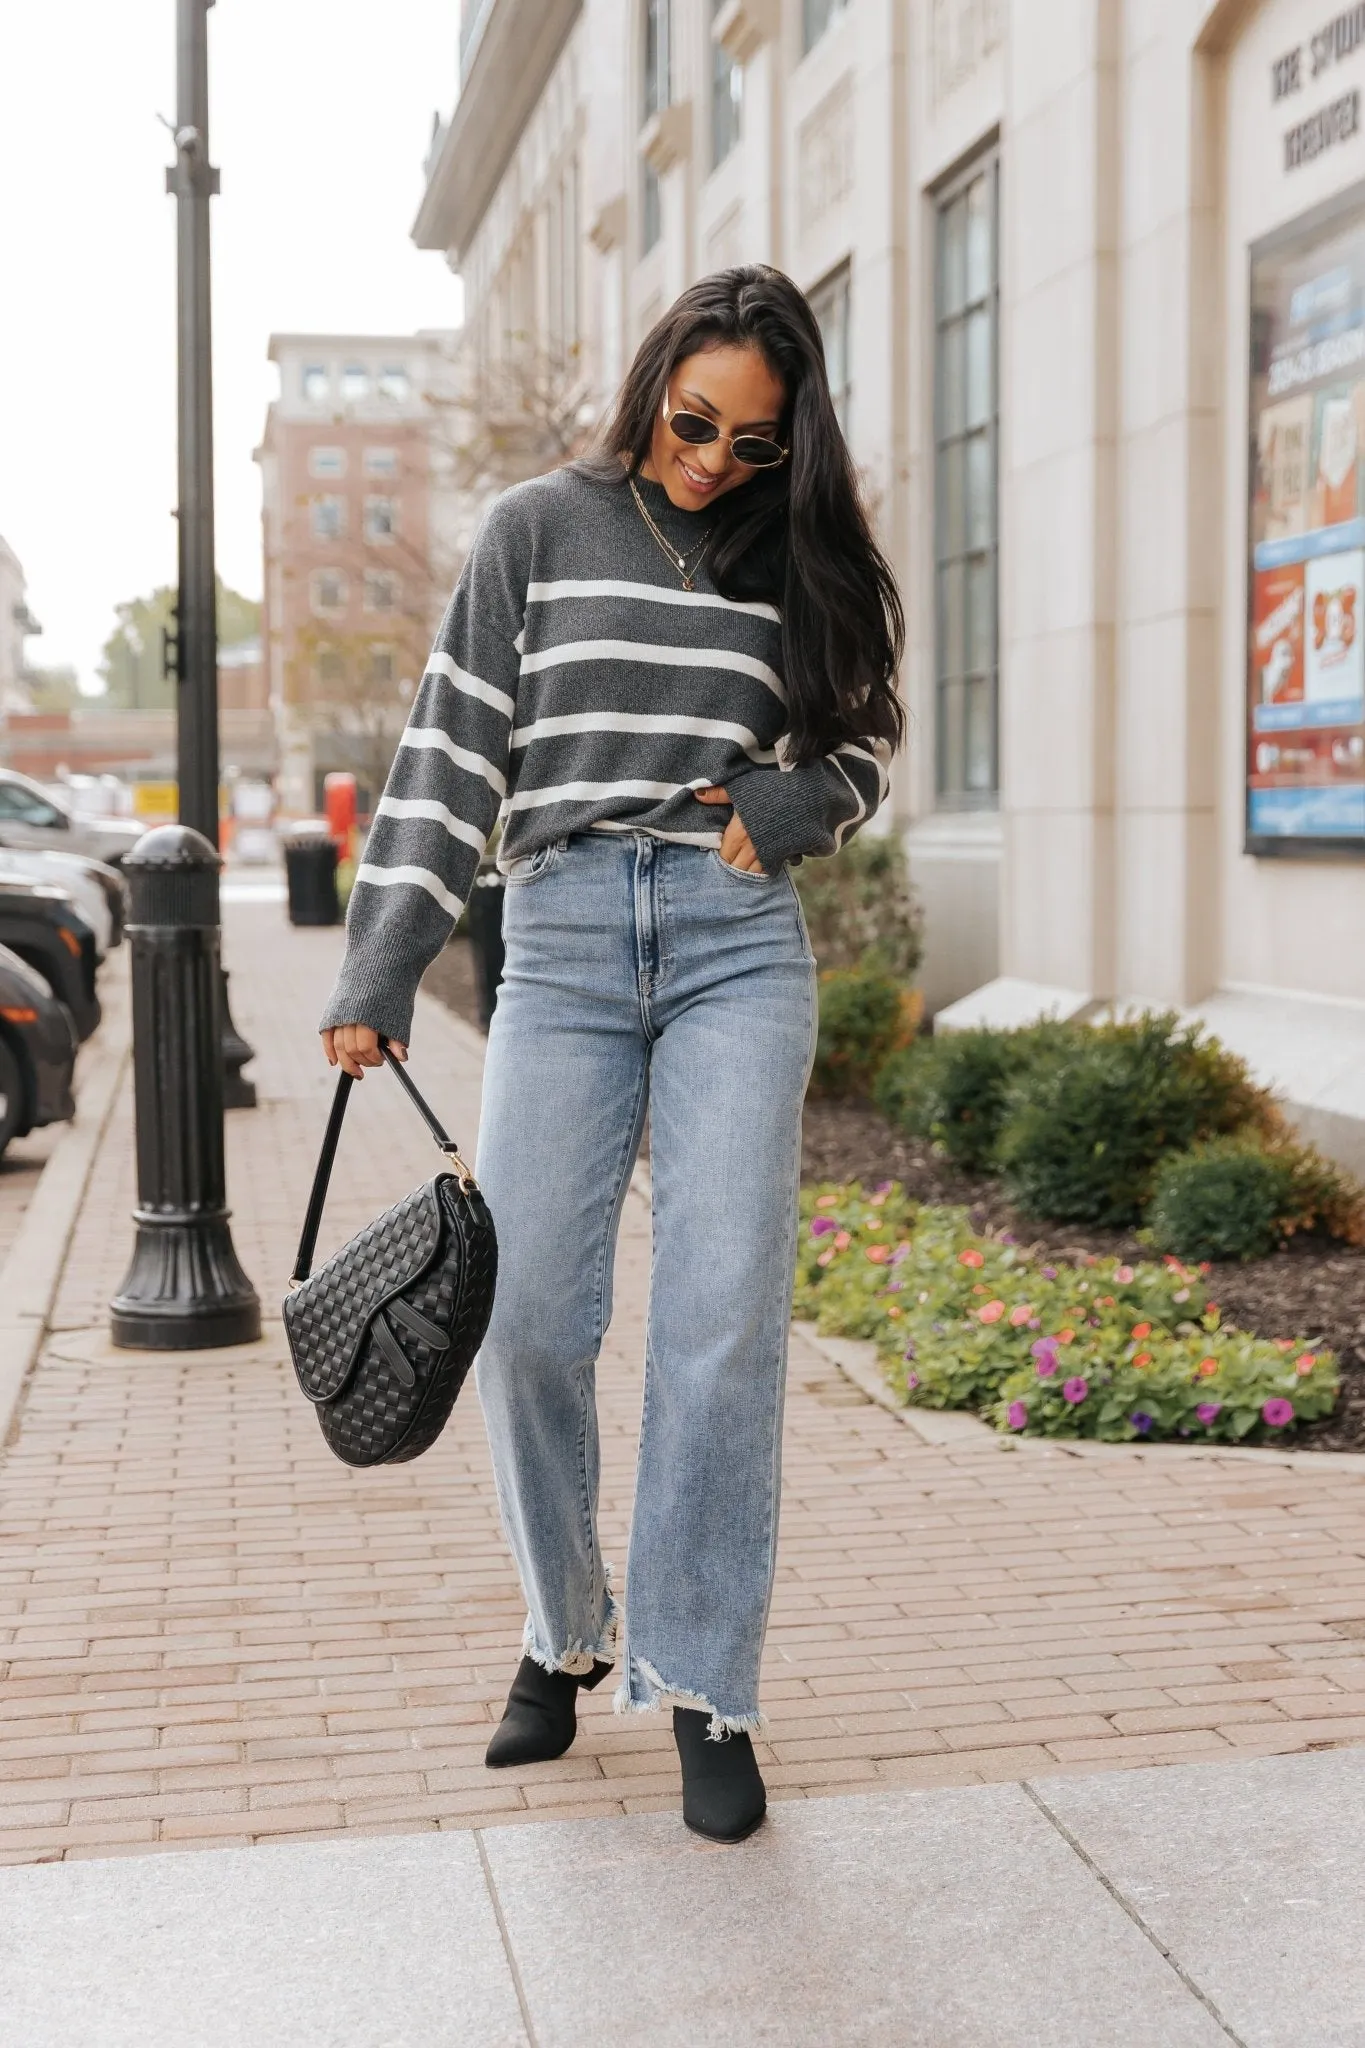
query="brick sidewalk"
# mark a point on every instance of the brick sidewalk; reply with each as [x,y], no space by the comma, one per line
[215,1633]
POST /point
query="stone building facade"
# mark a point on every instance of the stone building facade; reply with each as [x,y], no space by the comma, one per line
[1092,278]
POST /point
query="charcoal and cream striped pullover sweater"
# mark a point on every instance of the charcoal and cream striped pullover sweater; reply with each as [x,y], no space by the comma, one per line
[576,686]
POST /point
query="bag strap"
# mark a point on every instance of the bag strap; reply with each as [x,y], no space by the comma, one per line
[312,1221]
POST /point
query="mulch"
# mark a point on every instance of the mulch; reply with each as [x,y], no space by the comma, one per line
[1311,1290]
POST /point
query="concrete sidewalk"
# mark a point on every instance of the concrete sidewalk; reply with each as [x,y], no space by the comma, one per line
[1181,1908]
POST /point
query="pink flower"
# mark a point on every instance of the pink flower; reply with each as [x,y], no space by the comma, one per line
[1277,1412]
[1075,1391]
[912,1380]
[882,1190]
[842,1241]
[821,1226]
[1020,1315]
[1047,1365]
[1209,1411]
[1049,1272]
[1016,1415]
[827,1201]
[970,1258]
[992,1312]
[1181,1294]
[826,1258]
[1306,1363]
[1125,1276]
[878,1253]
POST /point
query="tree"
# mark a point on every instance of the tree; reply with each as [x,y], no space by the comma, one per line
[52,689]
[132,664]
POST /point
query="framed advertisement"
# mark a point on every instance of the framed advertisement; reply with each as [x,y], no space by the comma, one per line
[1305,705]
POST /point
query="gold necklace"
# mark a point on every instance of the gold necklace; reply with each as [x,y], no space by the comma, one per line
[686,569]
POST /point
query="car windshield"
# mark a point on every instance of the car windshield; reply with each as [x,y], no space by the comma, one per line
[26,806]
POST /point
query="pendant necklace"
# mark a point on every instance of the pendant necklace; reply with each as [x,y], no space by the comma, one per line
[684,564]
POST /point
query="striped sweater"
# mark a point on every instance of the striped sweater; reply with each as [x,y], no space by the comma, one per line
[576,686]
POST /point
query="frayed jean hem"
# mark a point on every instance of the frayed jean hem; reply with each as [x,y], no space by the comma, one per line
[643,1691]
[579,1658]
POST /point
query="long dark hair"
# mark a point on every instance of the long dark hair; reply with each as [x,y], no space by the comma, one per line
[798,535]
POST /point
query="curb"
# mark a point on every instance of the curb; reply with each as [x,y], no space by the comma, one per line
[33,1269]
[955,1429]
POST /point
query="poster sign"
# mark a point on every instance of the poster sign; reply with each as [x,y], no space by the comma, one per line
[1305,781]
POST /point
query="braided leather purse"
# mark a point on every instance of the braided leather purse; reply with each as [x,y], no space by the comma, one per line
[384,1333]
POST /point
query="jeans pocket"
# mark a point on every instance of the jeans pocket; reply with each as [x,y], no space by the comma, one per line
[763,881]
[532,866]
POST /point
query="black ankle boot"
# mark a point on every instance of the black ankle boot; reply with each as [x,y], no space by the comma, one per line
[723,1795]
[540,1719]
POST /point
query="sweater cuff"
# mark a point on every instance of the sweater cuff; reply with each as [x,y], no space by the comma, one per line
[373,994]
[783,812]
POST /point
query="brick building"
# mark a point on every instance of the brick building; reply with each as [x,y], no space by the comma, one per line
[359,546]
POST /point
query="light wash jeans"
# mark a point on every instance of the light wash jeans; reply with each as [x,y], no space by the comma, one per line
[644,974]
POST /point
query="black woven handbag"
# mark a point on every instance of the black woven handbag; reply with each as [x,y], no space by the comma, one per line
[384,1333]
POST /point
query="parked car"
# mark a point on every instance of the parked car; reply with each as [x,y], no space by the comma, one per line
[98,892]
[40,924]
[29,816]
[37,1052]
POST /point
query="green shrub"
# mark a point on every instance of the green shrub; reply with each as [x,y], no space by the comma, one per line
[1238,1198]
[1086,1126]
[1100,1349]
[864,1016]
[860,908]
[955,1088]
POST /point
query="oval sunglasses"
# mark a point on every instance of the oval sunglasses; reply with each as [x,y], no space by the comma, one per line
[753,451]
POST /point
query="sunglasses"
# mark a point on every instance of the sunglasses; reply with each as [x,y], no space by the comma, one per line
[752,451]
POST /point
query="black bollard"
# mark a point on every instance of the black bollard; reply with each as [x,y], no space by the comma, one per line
[184,1289]
[238,1091]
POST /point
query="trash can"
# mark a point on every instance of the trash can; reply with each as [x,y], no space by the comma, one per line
[484,912]
[310,866]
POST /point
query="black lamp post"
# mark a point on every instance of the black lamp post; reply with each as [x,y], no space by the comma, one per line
[193,180]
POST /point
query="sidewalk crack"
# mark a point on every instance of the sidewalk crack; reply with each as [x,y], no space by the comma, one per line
[1131,1910]
[512,1964]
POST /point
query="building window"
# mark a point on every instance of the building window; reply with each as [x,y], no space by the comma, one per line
[381,667]
[355,383]
[651,209]
[329,518]
[381,591]
[394,383]
[328,592]
[816,16]
[381,462]
[329,670]
[657,88]
[830,304]
[326,462]
[727,91]
[381,519]
[966,423]
[314,383]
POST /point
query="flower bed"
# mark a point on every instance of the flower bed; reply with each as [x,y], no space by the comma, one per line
[1095,1347]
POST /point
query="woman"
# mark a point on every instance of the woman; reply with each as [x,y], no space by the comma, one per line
[671,670]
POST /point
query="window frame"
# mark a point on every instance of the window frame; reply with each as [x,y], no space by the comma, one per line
[656,78]
[817,19]
[391,583]
[955,690]
[331,468]
[308,372]
[380,462]
[373,534]
[727,91]
[398,376]
[361,376]
[315,604]
[327,515]
[836,289]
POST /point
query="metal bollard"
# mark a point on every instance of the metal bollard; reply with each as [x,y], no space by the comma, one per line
[184,1289]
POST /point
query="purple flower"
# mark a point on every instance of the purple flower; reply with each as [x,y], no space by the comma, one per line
[909,1351]
[912,1380]
[883,1187]
[1007,1237]
[1047,1364]
[1209,1411]
[895,1287]
[902,1251]
[1016,1415]
[1075,1391]
[821,1226]
[1278,1412]
[1141,1422]
[1044,1346]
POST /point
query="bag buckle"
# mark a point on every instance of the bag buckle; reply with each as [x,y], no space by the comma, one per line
[468,1184]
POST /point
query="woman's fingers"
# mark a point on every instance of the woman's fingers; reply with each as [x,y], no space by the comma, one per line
[353,1047]
[737,848]
[712,795]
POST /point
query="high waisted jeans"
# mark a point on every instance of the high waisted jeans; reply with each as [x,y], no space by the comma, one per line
[644,974]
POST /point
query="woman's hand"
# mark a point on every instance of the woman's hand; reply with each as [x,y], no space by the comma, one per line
[736,847]
[353,1047]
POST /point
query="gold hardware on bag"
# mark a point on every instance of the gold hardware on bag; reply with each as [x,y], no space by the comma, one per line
[468,1184]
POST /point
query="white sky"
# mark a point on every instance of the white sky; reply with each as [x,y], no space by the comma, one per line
[320,117]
